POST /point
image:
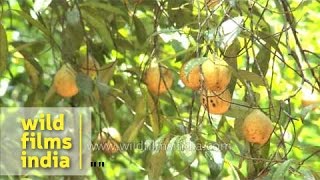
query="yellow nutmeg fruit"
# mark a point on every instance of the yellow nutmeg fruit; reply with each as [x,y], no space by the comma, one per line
[157,82]
[216,102]
[65,81]
[217,75]
[257,127]
[193,79]
[110,139]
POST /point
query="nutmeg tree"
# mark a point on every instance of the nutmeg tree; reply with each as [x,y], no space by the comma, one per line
[210,89]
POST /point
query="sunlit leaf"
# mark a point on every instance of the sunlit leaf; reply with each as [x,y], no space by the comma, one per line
[229,30]
[3,49]
[186,148]
[215,161]
[40,5]
[171,146]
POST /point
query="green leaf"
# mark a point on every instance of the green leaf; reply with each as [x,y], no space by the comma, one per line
[103,6]
[140,30]
[281,170]
[33,73]
[107,103]
[186,148]
[85,83]
[35,23]
[192,63]
[29,49]
[154,116]
[238,127]
[156,160]
[230,56]
[238,109]
[103,88]
[262,59]
[140,114]
[215,161]
[171,146]
[250,76]
[3,48]
[72,34]
[270,39]
[97,23]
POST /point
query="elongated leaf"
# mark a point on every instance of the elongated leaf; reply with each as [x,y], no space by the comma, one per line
[215,161]
[132,131]
[107,103]
[103,6]
[230,56]
[186,148]
[141,32]
[157,160]
[27,50]
[281,170]
[84,83]
[3,49]
[262,59]
[270,39]
[33,73]
[154,116]
[72,34]
[97,23]
[229,30]
[36,23]
[250,76]
[171,146]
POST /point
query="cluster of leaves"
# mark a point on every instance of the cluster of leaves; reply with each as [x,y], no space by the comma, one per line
[271,63]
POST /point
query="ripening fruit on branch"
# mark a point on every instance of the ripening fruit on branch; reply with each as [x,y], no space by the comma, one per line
[193,79]
[65,81]
[257,127]
[216,75]
[90,66]
[158,80]
[109,138]
[216,102]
